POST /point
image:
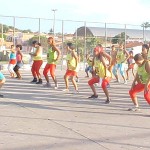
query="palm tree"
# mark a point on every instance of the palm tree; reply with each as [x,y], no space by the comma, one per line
[145,25]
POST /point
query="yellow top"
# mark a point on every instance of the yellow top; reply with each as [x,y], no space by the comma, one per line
[72,62]
[39,56]
[100,69]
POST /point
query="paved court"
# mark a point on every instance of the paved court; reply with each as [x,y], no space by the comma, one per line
[37,118]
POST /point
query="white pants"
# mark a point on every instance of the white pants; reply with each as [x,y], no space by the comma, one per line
[11,68]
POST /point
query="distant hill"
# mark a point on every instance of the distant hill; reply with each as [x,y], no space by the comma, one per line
[7,28]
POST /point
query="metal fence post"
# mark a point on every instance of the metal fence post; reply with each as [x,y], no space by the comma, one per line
[105,36]
[125,36]
[62,52]
[14,40]
[39,29]
[85,51]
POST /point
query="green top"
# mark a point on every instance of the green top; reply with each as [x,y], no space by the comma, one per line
[89,62]
[120,57]
[142,74]
[51,56]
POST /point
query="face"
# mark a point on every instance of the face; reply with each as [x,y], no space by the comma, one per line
[17,49]
[144,50]
[121,47]
[50,41]
[139,63]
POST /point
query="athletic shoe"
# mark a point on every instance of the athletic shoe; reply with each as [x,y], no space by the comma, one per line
[93,96]
[75,92]
[134,109]
[34,80]
[125,82]
[107,101]
[47,85]
[65,90]
[39,82]
[77,80]
[1,96]
[56,87]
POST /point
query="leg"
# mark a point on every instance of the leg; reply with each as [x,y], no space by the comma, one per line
[147,96]
[45,72]
[74,83]
[105,82]
[91,84]
[136,89]
[52,72]
[66,81]
[115,71]
[122,69]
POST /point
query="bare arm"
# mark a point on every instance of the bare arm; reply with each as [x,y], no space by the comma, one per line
[58,52]
[75,56]
[127,55]
[147,68]
[107,56]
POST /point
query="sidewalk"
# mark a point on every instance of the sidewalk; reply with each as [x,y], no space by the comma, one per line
[37,118]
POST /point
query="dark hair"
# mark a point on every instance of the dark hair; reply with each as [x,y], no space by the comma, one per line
[71,46]
[131,52]
[12,46]
[100,45]
[145,46]
[20,46]
[36,42]
[138,57]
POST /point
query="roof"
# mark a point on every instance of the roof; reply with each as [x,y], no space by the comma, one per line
[111,32]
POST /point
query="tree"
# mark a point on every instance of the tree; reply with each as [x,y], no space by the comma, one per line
[120,38]
[4,36]
[145,25]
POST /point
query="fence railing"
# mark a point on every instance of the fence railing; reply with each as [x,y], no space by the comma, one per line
[85,35]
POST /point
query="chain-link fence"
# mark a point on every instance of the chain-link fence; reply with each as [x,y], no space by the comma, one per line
[85,35]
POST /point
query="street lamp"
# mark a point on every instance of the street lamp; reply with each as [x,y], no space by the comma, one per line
[54,10]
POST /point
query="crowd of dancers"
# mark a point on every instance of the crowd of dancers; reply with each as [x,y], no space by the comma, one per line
[101,65]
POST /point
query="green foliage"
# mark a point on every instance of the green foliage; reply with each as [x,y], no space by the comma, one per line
[27,31]
[4,36]
[120,38]
[145,25]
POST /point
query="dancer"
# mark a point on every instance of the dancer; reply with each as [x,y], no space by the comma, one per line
[102,74]
[12,61]
[113,54]
[89,65]
[19,64]
[53,54]
[37,62]
[72,67]
[121,56]
[131,63]
[141,81]
[2,81]
[145,51]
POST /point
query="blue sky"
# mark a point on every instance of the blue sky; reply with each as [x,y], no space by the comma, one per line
[110,11]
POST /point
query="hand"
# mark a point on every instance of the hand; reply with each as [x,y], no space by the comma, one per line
[146,89]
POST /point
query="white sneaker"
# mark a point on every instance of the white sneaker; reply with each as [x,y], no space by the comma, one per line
[47,85]
[65,90]
[56,87]
[75,92]
[134,109]
[125,82]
